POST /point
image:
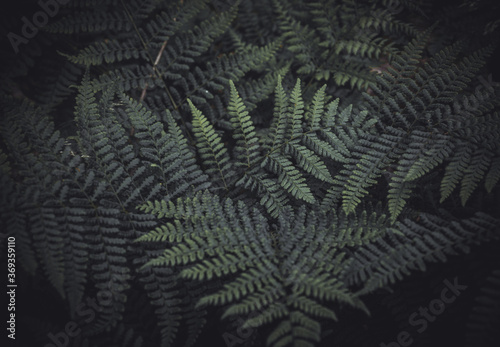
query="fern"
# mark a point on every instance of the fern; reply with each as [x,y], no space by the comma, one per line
[244,132]
[341,41]
[220,239]
[415,247]
[435,143]
[210,146]
[251,170]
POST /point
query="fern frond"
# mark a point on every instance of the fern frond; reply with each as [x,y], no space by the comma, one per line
[493,175]
[280,119]
[91,22]
[289,177]
[243,130]
[52,225]
[108,51]
[253,91]
[300,38]
[430,239]
[365,170]
[273,197]
[166,153]
[308,161]
[210,146]
[315,114]
[399,192]
[230,239]
[475,172]
[295,112]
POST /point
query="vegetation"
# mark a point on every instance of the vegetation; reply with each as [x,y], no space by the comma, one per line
[250,173]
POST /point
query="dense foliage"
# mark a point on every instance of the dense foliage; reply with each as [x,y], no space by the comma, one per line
[270,172]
